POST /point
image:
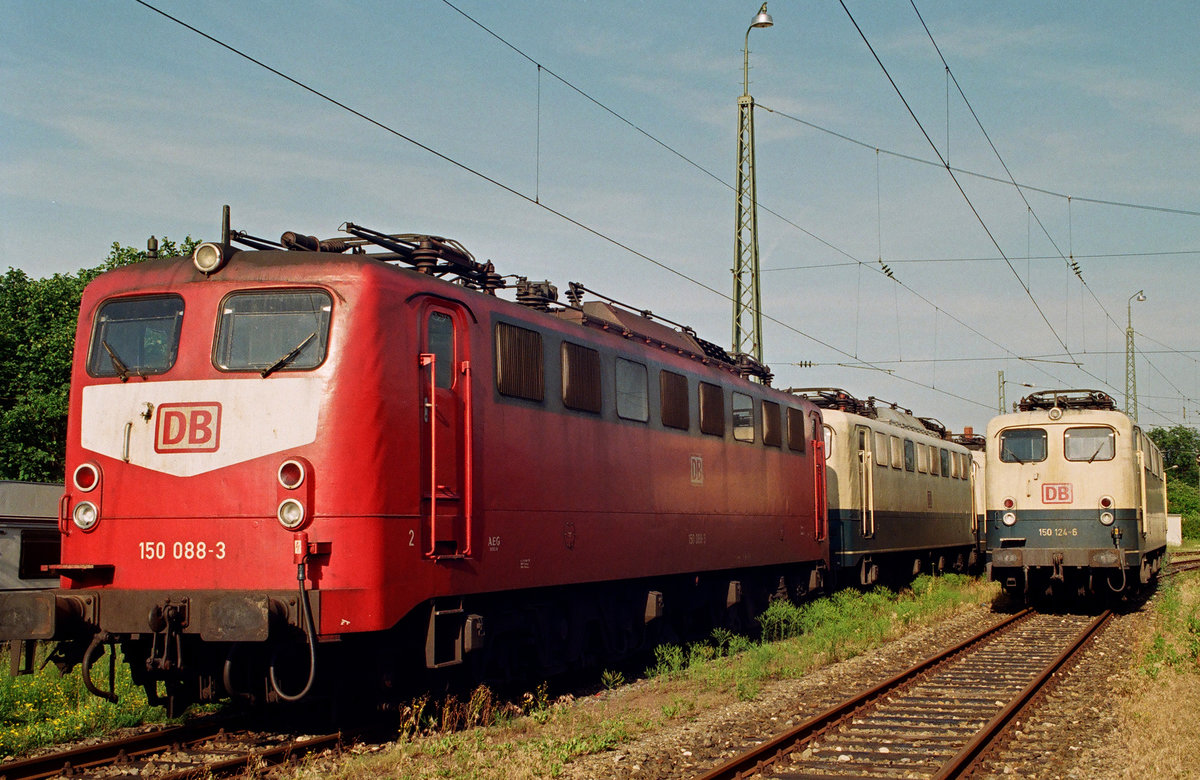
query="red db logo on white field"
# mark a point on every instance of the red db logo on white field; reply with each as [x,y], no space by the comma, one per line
[188,428]
[1057,493]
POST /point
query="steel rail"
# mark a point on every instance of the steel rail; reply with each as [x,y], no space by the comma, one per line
[1178,566]
[67,761]
[763,756]
[269,756]
[976,749]
[189,737]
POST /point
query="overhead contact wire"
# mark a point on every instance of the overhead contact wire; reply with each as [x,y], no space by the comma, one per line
[505,187]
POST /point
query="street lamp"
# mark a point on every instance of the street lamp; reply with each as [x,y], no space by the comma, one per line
[762,19]
[1130,368]
[747,298]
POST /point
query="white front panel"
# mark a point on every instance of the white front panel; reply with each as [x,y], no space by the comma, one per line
[192,427]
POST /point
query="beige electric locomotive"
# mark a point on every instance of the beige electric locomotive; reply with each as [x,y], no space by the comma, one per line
[899,490]
[1076,497]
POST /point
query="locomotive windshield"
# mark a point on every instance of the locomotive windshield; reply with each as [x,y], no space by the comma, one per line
[1089,444]
[138,336]
[1023,445]
[273,331]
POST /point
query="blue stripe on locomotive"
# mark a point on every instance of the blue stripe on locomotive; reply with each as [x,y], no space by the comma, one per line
[1077,534]
[895,532]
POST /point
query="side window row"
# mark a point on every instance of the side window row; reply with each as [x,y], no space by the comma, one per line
[520,373]
[915,456]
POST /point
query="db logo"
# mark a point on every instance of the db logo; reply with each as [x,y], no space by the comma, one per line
[1057,493]
[188,428]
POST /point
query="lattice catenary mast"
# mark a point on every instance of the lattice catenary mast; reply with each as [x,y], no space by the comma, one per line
[747,298]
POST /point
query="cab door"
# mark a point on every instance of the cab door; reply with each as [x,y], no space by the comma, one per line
[445,425]
[865,482]
[820,450]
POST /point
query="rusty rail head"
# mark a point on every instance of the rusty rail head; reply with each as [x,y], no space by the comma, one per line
[769,752]
[979,745]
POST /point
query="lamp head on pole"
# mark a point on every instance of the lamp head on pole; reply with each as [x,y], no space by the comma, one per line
[762,19]
[1139,296]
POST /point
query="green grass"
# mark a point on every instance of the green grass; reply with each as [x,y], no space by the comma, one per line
[542,738]
[44,709]
[480,737]
[1183,498]
[797,638]
[1176,643]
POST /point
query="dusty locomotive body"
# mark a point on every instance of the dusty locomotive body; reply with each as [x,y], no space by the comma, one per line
[1076,497]
[899,492]
[288,460]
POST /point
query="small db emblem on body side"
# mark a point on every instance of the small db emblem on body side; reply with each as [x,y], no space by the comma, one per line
[188,427]
[697,468]
[1057,493]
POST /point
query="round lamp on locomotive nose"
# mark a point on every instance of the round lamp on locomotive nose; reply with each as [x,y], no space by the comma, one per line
[291,513]
[85,515]
[208,258]
[1106,518]
[86,477]
[1009,518]
[291,474]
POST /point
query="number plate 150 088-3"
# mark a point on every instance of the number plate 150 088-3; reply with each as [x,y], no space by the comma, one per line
[180,551]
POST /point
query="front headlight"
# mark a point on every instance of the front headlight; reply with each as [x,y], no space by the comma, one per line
[208,258]
[85,515]
[1009,518]
[1106,518]
[291,513]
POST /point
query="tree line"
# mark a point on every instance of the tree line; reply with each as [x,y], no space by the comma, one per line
[37,339]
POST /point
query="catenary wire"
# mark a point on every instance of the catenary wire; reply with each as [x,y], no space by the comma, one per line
[944,164]
[979,123]
[561,215]
[710,174]
[462,166]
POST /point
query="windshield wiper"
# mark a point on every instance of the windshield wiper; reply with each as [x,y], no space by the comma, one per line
[288,358]
[1097,452]
[118,364]
[1012,456]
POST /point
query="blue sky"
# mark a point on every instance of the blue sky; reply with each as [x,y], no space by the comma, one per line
[116,123]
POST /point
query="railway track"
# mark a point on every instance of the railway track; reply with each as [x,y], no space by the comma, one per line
[1181,562]
[174,753]
[934,720]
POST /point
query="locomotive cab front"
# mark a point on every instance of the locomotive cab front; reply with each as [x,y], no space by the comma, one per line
[1075,497]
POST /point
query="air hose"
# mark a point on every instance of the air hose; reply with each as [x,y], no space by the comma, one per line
[310,635]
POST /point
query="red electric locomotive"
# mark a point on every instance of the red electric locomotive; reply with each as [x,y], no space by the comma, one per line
[307,462]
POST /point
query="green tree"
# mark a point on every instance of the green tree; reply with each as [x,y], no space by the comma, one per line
[1180,447]
[37,337]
